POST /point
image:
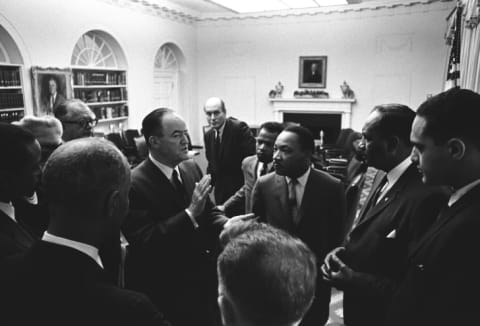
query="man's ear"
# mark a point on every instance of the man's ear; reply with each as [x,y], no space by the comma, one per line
[392,143]
[456,148]
[152,141]
[227,311]
[111,204]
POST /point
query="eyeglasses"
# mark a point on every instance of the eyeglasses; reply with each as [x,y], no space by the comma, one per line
[83,123]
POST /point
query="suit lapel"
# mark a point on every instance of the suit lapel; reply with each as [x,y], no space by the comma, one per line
[226,138]
[13,230]
[445,216]
[308,197]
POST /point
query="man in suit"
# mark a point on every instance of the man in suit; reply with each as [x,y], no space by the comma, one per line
[253,167]
[60,279]
[442,278]
[398,209]
[303,201]
[313,74]
[77,119]
[227,143]
[19,175]
[53,98]
[172,227]
[265,276]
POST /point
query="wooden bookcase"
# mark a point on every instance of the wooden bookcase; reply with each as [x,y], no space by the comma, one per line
[12,101]
[104,90]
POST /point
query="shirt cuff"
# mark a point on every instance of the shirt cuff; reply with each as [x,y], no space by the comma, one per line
[195,224]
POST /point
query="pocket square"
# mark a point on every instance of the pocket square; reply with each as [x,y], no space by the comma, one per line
[392,235]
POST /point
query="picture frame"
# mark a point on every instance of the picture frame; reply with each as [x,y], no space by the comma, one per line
[51,86]
[313,72]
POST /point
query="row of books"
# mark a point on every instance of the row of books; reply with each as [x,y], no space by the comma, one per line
[110,112]
[101,95]
[11,100]
[9,77]
[99,78]
[11,116]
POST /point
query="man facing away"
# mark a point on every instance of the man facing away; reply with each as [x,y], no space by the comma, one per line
[253,167]
[60,279]
[303,201]
[77,119]
[227,143]
[266,277]
[442,279]
[19,175]
[398,210]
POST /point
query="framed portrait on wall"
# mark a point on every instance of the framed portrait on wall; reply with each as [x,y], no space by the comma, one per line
[313,72]
[51,87]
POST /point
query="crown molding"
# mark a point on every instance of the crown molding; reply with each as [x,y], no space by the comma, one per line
[167,10]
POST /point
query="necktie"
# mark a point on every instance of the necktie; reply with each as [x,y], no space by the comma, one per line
[264,169]
[218,142]
[292,200]
[377,192]
[179,189]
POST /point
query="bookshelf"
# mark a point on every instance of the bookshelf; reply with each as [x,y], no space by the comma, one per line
[104,90]
[12,107]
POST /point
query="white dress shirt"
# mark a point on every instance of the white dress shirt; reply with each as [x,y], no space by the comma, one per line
[393,175]
[300,186]
[461,192]
[8,209]
[168,172]
[87,249]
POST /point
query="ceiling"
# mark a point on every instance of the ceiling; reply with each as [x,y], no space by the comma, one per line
[203,7]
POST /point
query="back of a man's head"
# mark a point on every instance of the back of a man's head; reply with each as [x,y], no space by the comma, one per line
[81,174]
[266,276]
[451,114]
[395,121]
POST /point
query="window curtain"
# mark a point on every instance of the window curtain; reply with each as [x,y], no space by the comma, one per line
[470,46]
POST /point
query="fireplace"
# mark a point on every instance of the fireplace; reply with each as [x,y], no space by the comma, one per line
[329,115]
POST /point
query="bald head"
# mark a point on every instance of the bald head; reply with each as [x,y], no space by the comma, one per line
[77,119]
[216,112]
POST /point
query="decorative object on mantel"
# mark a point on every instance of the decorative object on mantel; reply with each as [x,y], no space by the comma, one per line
[277,92]
[310,93]
[347,92]
[313,72]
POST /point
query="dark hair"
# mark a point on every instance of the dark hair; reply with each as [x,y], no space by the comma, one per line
[454,113]
[82,170]
[305,137]
[14,142]
[272,126]
[269,275]
[62,109]
[395,120]
[152,123]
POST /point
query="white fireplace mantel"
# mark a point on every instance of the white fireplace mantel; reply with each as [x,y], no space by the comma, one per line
[314,106]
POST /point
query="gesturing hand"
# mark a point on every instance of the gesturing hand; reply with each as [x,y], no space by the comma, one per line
[200,195]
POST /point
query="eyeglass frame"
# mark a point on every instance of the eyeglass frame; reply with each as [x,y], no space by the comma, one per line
[83,122]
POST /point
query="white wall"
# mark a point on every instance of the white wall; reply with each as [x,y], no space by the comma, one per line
[46,32]
[386,55]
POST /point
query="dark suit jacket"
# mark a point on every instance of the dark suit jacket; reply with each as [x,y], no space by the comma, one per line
[442,281]
[169,259]
[321,212]
[241,201]
[57,285]
[409,207]
[237,143]
[13,237]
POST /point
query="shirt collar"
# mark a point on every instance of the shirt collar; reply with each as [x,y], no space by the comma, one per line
[88,250]
[8,209]
[461,192]
[166,170]
[394,174]
[302,180]
[220,130]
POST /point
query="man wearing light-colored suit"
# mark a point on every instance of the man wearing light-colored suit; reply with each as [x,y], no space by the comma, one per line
[253,167]
[442,282]
[172,227]
[303,201]
[398,210]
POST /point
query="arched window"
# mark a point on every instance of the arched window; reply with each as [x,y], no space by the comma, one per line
[93,50]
